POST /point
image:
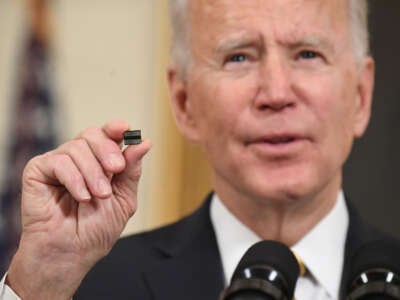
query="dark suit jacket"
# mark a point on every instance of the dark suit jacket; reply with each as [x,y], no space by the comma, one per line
[181,262]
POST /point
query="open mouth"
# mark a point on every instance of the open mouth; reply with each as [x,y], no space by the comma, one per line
[279,140]
[279,144]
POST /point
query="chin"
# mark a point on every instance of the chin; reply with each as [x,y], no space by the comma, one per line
[283,194]
[285,189]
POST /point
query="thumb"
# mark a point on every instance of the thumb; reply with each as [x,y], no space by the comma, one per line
[125,184]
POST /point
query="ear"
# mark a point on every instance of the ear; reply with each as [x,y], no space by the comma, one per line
[181,105]
[364,99]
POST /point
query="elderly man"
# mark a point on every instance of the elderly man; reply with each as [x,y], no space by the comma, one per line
[275,91]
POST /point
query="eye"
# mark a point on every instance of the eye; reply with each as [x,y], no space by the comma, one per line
[237,58]
[308,54]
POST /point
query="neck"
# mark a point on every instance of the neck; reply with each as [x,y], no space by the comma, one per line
[279,219]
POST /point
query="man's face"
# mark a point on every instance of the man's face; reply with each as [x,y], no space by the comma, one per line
[273,94]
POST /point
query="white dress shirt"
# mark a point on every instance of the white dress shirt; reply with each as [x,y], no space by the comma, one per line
[322,249]
[6,293]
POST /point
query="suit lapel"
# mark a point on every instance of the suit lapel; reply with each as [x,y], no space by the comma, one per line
[192,256]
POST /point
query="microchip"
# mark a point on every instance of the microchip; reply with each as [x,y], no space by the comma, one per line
[132,137]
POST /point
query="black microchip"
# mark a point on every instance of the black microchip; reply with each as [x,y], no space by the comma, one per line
[132,137]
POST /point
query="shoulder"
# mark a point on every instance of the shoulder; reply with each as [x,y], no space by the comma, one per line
[361,235]
[361,232]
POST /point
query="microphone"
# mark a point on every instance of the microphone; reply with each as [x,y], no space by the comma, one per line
[267,271]
[375,271]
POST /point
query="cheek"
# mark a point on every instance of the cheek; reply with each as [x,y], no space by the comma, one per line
[329,98]
[221,102]
[332,104]
[340,111]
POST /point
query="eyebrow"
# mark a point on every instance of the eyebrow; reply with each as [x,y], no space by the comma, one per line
[312,42]
[236,43]
[243,41]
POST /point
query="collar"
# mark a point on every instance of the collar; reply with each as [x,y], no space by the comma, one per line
[321,249]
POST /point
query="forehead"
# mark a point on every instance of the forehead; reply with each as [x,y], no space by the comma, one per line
[286,18]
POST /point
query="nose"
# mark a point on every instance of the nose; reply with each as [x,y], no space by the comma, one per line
[274,85]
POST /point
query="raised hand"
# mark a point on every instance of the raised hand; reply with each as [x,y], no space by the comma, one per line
[76,201]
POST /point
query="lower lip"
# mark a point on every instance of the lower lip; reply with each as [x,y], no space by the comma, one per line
[279,149]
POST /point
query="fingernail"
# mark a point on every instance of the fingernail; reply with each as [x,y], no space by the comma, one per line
[84,193]
[104,187]
[115,161]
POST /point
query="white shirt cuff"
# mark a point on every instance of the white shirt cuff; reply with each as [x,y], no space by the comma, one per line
[6,293]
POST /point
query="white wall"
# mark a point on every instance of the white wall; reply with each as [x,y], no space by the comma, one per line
[103,60]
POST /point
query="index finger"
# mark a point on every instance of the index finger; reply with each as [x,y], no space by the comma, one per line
[115,128]
[105,144]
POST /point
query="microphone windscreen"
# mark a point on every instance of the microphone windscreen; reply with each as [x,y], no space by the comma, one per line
[380,254]
[272,254]
[375,270]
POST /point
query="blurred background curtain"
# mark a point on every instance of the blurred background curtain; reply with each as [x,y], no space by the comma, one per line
[102,60]
[32,128]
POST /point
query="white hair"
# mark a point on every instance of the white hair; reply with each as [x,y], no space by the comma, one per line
[180,49]
[180,46]
[359,27]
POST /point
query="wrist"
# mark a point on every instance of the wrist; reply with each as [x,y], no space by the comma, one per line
[32,278]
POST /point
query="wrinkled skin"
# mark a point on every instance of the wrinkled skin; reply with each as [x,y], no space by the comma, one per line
[275,96]
[76,201]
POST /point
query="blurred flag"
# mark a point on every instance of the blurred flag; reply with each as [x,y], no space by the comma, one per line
[32,128]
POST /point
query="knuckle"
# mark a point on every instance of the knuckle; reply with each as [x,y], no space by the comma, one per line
[74,147]
[62,161]
[31,165]
[75,178]
[89,131]
[78,144]
[64,165]
[34,161]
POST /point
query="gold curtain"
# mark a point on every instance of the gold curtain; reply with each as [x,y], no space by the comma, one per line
[39,19]
[180,174]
